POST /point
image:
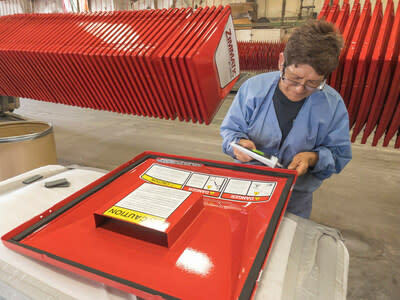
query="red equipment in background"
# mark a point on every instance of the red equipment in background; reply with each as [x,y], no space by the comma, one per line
[337,75]
[333,12]
[366,76]
[163,63]
[359,80]
[374,70]
[386,79]
[165,226]
[354,49]
[325,10]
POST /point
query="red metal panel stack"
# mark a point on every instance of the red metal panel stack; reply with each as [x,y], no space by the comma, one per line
[389,120]
[386,78]
[367,76]
[336,76]
[333,12]
[161,63]
[368,73]
[325,10]
[353,53]
[341,20]
[375,68]
[357,87]
[259,56]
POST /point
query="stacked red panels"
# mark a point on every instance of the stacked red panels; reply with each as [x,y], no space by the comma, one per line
[367,77]
[324,10]
[259,56]
[336,76]
[353,52]
[363,63]
[333,12]
[374,70]
[385,79]
[395,122]
[161,63]
[341,20]
[389,120]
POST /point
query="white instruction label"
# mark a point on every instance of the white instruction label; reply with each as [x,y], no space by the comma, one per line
[154,199]
[238,187]
[227,55]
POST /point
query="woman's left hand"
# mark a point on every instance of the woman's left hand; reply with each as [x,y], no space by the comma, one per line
[302,161]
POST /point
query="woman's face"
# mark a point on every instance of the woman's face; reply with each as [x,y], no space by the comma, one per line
[298,81]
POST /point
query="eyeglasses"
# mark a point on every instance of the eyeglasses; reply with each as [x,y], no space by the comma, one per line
[309,87]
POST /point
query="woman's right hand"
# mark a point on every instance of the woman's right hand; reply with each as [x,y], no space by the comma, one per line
[242,156]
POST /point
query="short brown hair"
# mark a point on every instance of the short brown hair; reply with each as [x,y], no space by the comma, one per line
[316,43]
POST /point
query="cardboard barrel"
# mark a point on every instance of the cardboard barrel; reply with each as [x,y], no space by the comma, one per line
[24,146]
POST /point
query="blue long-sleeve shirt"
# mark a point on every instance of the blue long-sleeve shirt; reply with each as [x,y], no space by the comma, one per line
[321,126]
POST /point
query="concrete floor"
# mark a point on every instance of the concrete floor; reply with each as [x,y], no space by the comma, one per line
[363,201]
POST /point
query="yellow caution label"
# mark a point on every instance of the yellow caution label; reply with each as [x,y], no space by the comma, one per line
[161,182]
[129,215]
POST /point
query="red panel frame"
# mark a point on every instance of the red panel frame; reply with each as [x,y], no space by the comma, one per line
[344,13]
[150,54]
[180,70]
[388,113]
[394,126]
[324,10]
[385,77]
[364,62]
[204,72]
[374,69]
[353,52]
[336,76]
[397,145]
[333,12]
[234,236]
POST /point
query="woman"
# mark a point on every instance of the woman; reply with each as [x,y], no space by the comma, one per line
[294,115]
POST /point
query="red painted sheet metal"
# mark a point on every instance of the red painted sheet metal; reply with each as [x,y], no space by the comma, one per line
[374,69]
[111,60]
[131,68]
[391,103]
[397,145]
[11,86]
[161,37]
[333,12]
[343,16]
[353,52]
[202,68]
[336,76]
[363,62]
[385,77]
[161,61]
[144,36]
[394,125]
[183,44]
[218,256]
[260,56]
[108,67]
[324,11]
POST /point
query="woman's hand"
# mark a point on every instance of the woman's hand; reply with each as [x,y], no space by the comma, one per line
[302,161]
[242,156]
